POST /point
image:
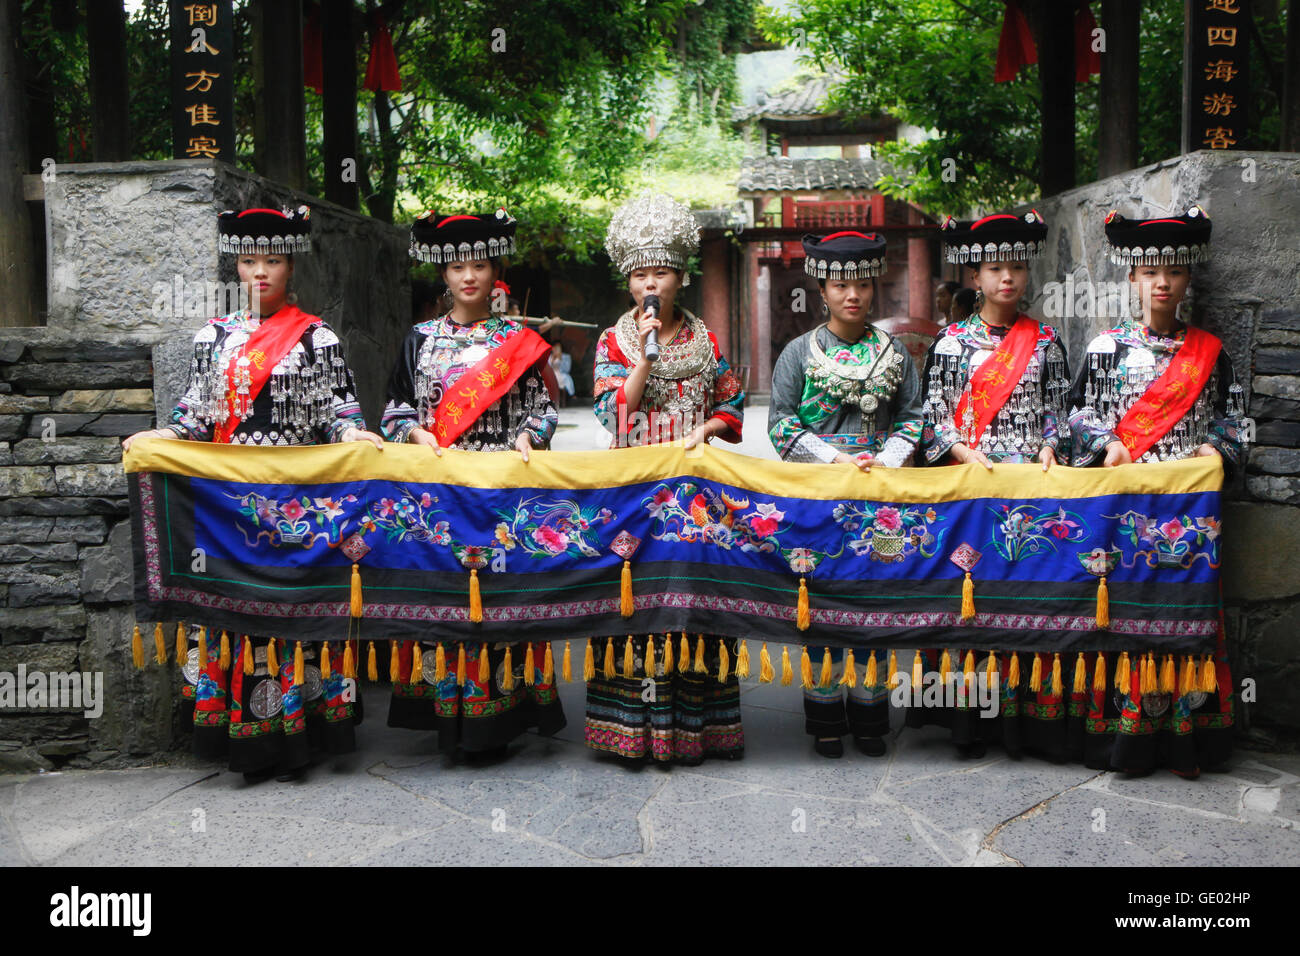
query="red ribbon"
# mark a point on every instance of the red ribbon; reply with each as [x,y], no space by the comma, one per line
[1015,45]
[993,382]
[381,68]
[478,387]
[270,342]
[1168,398]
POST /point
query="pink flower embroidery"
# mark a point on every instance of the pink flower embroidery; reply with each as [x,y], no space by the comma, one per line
[550,539]
[292,510]
[1172,530]
[888,519]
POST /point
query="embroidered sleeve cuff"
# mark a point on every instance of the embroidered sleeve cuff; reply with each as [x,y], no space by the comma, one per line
[896,453]
[808,447]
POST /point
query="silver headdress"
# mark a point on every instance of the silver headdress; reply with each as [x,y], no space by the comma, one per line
[652,230]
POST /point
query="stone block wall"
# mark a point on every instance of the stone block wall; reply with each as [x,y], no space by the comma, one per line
[65,551]
[1249,295]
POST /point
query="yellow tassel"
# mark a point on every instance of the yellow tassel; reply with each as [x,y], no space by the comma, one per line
[325,670]
[610,672]
[349,661]
[828,667]
[893,669]
[629,661]
[668,654]
[247,655]
[991,669]
[650,656]
[787,672]
[548,664]
[439,663]
[1036,674]
[417,662]
[484,667]
[873,676]
[1187,676]
[1103,603]
[203,648]
[137,648]
[684,655]
[1013,671]
[699,667]
[588,661]
[299,668]
[968,671]
[1080,675]
[530,663]
[628,605]
[765,672]
[272,662]
[356,604]
[1167,678]
[967,598]
[724,661]
[462,667]
[805,670]
[803,617]
[918,672]
[945,667]
[1099,673]
[224,660]
[160,644]
[508,672]
[1209,675]
[394,662]
[182,645]
[475,598]
[372,663]
[566,662]
[742,661]
[850,675]
[1123,673]
[1150,675]
[1057,686]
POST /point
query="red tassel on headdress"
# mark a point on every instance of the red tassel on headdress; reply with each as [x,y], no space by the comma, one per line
[1016,45]
[381,67]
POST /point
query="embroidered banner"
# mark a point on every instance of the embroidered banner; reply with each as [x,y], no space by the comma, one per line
[262,541]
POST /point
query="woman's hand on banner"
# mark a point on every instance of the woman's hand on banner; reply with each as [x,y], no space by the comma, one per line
[148,433]
[967,455]
[422,436]
[1047,455]
[1117,454]
[524,444]
[863,461]
[360,434]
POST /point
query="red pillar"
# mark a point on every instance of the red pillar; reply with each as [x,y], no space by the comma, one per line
[715,301]
[920,302]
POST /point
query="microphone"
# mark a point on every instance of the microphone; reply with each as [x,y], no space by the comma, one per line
[650,305]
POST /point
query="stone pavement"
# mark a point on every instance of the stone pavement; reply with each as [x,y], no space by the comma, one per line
[554,802]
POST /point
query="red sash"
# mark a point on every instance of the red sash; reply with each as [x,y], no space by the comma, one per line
[478,387]
[270,342]
[994,381]
[1168,398]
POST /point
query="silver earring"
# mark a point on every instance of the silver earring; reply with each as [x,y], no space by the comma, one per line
[979,299]
[291,298]
[826,309]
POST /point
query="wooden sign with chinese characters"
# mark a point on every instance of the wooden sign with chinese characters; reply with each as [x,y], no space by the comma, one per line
[203,98]
[1216,74]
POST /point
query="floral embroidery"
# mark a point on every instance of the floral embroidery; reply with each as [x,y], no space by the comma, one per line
[548,529]
[1025,530]
[886,533]
[701,514]
[1174,543]
[291,522]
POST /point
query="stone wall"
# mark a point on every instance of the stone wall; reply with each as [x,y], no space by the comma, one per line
[1249,295]
[111,361]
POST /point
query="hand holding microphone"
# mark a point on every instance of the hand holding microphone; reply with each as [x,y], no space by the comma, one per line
[650,310]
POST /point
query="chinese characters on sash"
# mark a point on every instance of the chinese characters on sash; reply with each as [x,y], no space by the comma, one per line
[202,67]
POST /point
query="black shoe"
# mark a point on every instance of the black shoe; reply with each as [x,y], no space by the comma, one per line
[257,776]
[289,776]
[834,747]
[871,746]
[975,749]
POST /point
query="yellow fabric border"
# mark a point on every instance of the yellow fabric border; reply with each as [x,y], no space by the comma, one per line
[361,461]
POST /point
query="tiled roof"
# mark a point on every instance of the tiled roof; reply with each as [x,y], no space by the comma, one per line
[783,174]
[808,100]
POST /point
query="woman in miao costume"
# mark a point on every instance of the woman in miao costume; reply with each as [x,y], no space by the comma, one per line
[478,696]
[1156,389]
[846,392]
[270,375]
[996,390]
[690,393]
